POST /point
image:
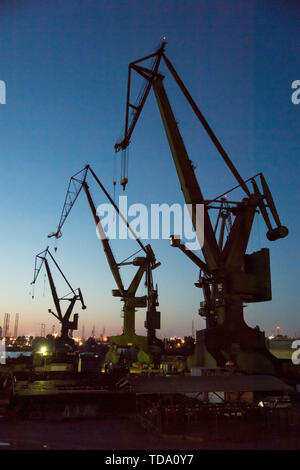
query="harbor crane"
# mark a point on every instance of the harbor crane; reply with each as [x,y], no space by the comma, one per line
[228,277]
[72,297]
[145,265]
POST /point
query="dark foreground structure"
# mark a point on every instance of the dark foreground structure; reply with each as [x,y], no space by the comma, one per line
[149,412]
[126,431]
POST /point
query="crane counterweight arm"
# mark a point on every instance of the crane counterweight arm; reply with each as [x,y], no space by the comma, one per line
[261,205]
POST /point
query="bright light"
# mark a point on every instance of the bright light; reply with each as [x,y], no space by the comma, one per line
[43,350]
[261,404]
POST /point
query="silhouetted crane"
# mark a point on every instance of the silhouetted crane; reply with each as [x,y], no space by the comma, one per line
[72,297]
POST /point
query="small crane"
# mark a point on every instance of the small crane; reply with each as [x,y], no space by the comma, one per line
[72,297]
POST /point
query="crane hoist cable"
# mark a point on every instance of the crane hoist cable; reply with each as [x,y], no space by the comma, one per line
[114,178]
[129,257]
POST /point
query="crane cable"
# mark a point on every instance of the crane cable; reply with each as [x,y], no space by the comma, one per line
[124,168]
[114,182]
[114,177]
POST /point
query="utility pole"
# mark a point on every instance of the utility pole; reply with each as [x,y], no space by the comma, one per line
[6,325]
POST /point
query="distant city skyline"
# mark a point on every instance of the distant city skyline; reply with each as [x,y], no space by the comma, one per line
[86,331]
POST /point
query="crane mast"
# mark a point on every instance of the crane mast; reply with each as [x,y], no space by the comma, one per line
[228,277]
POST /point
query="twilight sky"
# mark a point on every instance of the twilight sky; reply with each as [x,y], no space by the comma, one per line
[65,68]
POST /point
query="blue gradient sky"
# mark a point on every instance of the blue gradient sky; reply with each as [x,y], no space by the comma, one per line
[65,68]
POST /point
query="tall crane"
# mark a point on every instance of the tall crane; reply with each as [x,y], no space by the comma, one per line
[228,276]
[72,297]
[145,263]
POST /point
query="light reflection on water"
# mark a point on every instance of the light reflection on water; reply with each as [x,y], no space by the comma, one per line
[15,354]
